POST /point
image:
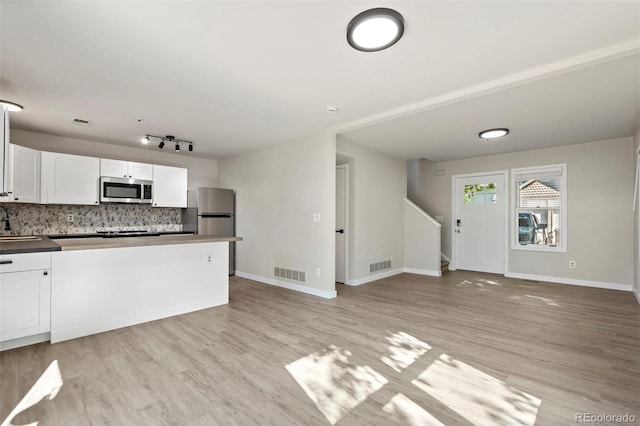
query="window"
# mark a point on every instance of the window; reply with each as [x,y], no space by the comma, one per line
[540,210]
[482,193]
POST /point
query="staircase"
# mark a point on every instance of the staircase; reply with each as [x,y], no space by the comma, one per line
[444,266]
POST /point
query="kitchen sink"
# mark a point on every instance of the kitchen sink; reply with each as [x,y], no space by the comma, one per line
[19,238]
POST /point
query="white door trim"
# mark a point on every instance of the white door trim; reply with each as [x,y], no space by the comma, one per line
[346,219]
[507,188]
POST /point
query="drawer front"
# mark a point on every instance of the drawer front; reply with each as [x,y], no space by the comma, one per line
[24,262]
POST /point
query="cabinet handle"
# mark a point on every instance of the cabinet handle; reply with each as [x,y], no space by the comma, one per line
[6,262]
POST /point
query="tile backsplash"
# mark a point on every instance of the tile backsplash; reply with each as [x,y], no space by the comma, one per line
[35,219]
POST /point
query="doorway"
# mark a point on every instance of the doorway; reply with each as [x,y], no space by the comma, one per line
[479,225]
[342,216]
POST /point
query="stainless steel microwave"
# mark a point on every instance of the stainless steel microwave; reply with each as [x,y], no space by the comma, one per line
[124,190]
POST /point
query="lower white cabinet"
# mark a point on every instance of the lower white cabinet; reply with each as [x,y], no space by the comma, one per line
[104,289]
[25,295]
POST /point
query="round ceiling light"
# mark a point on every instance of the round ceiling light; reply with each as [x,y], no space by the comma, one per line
[10,106]
[375,29]
[493,133]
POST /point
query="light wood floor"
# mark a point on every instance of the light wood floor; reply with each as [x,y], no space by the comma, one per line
[574,349]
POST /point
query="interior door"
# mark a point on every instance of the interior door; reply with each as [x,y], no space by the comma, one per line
[479,223]
[341,222]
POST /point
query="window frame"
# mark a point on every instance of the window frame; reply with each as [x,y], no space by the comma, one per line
[515,244]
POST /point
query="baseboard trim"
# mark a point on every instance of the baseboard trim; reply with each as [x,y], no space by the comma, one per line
[570,281]
[636,294]
[24,341]
[423,272]
[375,277]
[290,286]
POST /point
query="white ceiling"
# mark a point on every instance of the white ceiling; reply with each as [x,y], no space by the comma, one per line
[233,76]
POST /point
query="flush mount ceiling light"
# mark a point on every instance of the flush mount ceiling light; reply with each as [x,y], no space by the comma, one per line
[168,138]
[10,106]
[375,29]
[493,133]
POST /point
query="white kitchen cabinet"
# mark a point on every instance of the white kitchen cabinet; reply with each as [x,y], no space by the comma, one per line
[169,186]
[69,179]
[89,295]
[126,169]
[25,296]
[23,175]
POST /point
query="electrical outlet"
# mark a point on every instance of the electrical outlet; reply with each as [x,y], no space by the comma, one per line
[316,217]
[439,218]
[572,264]
[70,218]
[317,272]
[209,258]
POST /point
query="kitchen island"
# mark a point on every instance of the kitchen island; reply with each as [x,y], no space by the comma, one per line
[73,286]
[100,284]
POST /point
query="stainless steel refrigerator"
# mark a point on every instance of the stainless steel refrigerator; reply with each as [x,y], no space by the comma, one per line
[211,211]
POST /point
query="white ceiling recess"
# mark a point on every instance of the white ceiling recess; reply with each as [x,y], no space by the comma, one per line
[234,76]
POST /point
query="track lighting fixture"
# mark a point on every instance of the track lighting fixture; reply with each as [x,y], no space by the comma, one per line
[168,138]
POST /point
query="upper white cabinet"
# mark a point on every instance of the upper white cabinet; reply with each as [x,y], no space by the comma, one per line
[169,186]
[126,169]
[23,175]
[69,179]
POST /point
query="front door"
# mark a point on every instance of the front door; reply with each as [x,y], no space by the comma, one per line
[479,222]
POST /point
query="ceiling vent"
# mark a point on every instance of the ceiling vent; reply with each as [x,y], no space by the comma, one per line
[81,122]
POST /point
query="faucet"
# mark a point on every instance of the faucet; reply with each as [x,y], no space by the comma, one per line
[7,224]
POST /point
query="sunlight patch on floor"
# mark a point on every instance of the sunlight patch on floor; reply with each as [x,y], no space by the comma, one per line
[47,385]
[480,283]
[476,396]
[547,301]
[408,412]
[404,350]
[333,383]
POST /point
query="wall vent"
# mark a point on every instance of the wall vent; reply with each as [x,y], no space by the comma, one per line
[290,274]
[81,122]
[379,266]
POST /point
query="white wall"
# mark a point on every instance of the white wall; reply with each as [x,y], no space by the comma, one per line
[421,241]
[600,221]
[377,188]
[201,172]
[636,223]
[278,190]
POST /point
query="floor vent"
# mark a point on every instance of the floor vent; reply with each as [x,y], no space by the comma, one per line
[290,274]
[379,266]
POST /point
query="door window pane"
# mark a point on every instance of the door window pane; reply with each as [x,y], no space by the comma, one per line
[481,193]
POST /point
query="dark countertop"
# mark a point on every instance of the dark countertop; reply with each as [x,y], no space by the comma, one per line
[29,246]
[101,235]
[106,243]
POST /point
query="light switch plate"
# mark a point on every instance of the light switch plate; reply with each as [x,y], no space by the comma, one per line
[316,217]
